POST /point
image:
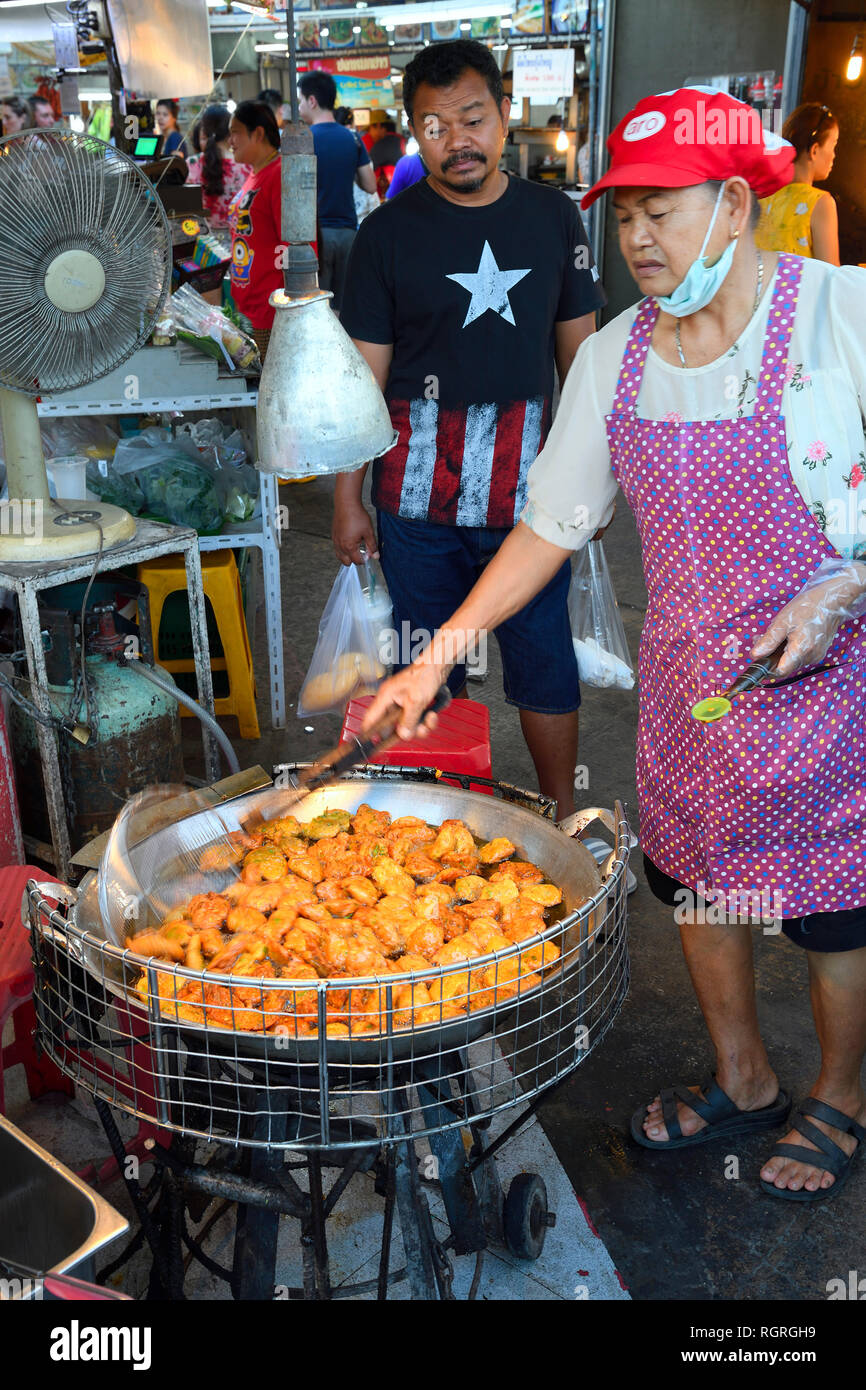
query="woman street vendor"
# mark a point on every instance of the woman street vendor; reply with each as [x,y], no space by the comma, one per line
[728,406]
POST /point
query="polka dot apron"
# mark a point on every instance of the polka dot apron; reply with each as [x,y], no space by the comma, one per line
[771,799]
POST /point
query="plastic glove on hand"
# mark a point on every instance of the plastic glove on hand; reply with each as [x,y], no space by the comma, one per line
[833,595]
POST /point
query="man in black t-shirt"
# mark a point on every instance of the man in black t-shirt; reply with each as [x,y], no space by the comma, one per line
[462,294]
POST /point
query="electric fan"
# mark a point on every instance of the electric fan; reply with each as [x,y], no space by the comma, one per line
[85,264]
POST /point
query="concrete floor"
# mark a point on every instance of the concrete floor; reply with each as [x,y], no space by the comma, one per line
[675,1226]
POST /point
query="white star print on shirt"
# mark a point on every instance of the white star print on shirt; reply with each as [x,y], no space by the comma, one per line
[489,287]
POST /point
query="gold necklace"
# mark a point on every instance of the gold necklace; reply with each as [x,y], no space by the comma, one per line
[758,290]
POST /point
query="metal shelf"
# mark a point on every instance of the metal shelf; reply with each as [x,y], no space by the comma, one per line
[154,375]
[155,379]
[147,405]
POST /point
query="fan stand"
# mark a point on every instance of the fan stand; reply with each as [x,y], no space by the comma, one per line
[32,525]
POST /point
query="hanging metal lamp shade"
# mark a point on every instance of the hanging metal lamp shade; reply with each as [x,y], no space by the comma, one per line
[319,410]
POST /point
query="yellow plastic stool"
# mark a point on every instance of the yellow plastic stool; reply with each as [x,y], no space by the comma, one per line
[222,587]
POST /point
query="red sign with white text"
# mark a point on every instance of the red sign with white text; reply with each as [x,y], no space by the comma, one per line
[354,65]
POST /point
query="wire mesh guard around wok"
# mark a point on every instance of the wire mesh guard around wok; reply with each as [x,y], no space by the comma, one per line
[236,1087]
[384,1079]
[60,192]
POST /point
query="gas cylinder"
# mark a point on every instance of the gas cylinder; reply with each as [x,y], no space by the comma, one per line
[135,741]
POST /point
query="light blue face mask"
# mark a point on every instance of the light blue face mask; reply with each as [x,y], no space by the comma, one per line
[701,282]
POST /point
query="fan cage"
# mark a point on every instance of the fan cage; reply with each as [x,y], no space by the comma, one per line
[61,191]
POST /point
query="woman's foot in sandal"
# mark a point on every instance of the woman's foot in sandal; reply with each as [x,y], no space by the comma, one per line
[754,1093]
[786,1173]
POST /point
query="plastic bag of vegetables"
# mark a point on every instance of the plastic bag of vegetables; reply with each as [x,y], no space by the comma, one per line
[176,483]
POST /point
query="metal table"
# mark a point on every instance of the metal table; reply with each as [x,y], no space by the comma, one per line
[152,538]
[180,379]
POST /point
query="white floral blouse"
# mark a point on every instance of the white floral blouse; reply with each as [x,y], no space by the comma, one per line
[571,487]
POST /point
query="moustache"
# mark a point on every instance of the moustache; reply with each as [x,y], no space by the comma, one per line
[458,159]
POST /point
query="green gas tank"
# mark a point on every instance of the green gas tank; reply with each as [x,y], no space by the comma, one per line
[135,741]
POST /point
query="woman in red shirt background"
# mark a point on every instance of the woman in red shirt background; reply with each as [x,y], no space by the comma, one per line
[255,218]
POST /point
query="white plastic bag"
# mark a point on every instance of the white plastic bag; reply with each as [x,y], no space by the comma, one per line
[379,607]
[346,660]
[596,626]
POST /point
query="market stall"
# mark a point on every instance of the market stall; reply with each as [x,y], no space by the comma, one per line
[113,438]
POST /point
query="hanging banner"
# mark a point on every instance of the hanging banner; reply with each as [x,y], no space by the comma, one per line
[359,91]
[374,65]
[308,34]
[445,29]
[543,74]
[372,34]
[528,17]
[569,16]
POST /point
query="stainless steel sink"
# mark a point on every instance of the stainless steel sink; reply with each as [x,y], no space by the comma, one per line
[49,1219]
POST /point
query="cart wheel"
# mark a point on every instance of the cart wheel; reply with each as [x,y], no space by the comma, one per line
[526,1217]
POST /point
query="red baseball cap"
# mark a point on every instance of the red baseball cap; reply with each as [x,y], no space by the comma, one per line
[689,136]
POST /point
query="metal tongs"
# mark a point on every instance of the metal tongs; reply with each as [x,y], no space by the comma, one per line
[331,766]
[334,764]
[140,881]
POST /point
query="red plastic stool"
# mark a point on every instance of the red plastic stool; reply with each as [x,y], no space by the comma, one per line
[16,998]
[16,990]
[459,743]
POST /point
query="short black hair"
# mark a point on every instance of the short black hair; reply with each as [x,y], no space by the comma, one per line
[320,85]
[271,97]
[345,115]
[442,64]
[18,106]
[253,114]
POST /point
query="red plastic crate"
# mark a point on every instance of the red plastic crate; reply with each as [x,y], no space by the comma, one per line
[459,743]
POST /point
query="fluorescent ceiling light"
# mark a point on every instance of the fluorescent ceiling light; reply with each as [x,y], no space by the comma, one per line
[387,16]
[272,48]
[441,13]
[324,32]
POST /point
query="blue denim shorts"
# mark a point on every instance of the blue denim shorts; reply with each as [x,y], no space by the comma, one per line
[430,569]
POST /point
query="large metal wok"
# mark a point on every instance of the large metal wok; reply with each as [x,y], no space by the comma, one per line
[328,1092]
[163,870]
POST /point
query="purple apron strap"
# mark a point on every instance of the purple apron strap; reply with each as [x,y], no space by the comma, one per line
[634,358]
[774,360]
